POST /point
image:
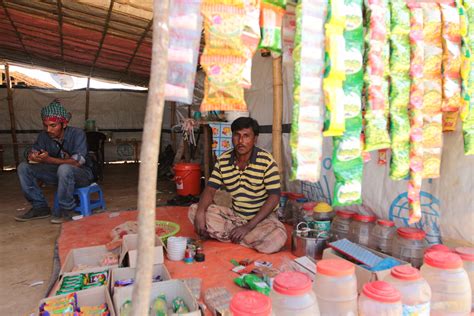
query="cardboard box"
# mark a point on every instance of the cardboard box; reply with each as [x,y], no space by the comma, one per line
[171,289]
[363,275]
[129,273]
[90,257]
[90,297]
[58,284]
[129,253]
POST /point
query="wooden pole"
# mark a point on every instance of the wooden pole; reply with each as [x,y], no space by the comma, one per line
[12,114]
[277,113]
[87,98]
[173,123]
[149,157]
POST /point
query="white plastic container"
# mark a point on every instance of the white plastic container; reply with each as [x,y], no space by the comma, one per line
[335,287]
[381,236]
[449,282]
[176,247]
[292,295]
[415,291]
[380,298]
[467,256]
[250,303]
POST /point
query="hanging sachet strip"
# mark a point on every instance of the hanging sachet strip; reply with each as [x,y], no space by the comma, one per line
[467,72]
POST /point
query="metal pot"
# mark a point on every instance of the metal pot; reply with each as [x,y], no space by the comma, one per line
[308,246]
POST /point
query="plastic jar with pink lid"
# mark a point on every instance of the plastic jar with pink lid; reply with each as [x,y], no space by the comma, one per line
[250,303]
[360,228]
[292,295]
[340,225]
[335,287]
[409,245]
[449,282]
[381,236]
[380,298]
[467,256]
[415,291]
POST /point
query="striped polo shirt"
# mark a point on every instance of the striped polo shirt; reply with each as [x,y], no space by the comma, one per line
[250,187]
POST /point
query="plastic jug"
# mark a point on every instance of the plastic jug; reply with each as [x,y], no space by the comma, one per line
[250,303]
[415,291]
[335,287]
[467,256]
[381,236]
[292,295]
[340,225]
[449,282]
[360,228]
[409,245]
[380,298]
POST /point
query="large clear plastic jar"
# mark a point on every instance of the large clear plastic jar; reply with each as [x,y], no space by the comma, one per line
[336,287]
[292,295]
[415,291]
[304,214]
[294,204]
[360,228]
[340,225]
[381,236]
[380,298]
[467,256]
[449,282]
[409,245]
[250,303]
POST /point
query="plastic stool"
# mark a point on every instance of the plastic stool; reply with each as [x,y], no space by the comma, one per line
[86,205]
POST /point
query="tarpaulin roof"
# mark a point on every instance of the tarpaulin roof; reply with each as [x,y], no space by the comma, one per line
[99,38]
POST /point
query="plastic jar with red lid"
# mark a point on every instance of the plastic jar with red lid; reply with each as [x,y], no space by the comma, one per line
[340,225]
[415,291]
[360,229]
[380,298]
[409,245]
[449,282]
[294,204]
[467,256]
[250,303]
[381,236]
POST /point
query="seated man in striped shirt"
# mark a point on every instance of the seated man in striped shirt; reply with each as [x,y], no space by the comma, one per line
[251,176]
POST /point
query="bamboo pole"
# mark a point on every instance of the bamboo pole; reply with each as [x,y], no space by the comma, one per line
[173,123]
[87,98]
[12,114]
[149,159]
[277,113]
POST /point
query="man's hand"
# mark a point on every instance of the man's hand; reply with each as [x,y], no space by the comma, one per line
[200,225]
[238,233]
[39,156]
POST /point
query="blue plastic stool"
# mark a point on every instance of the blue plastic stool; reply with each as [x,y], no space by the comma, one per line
[86,205]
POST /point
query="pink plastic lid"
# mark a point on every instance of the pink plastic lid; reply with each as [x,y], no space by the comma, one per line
[294,196]
[284,193]
[335,267]
[364,218]
[308,206]
[384,222]
[466,253]
[345,214]
[292,283]
[381,291]
[438,247]
[406,273]
[411,233]
[250,303]
[443,260]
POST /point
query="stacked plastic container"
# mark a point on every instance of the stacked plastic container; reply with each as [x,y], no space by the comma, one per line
[336,288]
[340,225]
[381,236]
[449,282]
[250,303]
[292,295]
[415,291]
[467,256]
[360,229]
[409,245]
[380,298]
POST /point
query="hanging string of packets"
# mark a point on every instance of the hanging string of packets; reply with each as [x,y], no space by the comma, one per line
[467,114]
[306,129]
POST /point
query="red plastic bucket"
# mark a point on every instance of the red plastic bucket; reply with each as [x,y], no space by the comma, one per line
[187,178]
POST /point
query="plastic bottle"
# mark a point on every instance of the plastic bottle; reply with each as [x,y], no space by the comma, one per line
[250,303]
[381,236]
[415,291]
[322,217]
[467,256]
[340,225]
[360,228]
[293,295]
[380,298]
[409,245]
[449,282]
[336,287]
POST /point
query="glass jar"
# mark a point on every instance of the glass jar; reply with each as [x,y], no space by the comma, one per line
[381,236]
[449,282]
[292,295]
[409,245]
[250,303]
[340,225]
[380,298]
[467,256]
[415,291]
[360,228]
[336,287]
[322,217]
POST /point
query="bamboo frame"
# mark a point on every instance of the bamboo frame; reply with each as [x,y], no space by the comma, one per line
[277,113]
[12,114]
[87,98]
[104,33]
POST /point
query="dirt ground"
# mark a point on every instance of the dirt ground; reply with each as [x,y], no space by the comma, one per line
[27,248]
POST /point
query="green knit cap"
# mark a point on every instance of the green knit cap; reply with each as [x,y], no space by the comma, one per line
[55,112]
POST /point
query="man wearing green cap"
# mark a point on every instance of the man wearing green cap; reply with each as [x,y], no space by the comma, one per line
[58,157]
